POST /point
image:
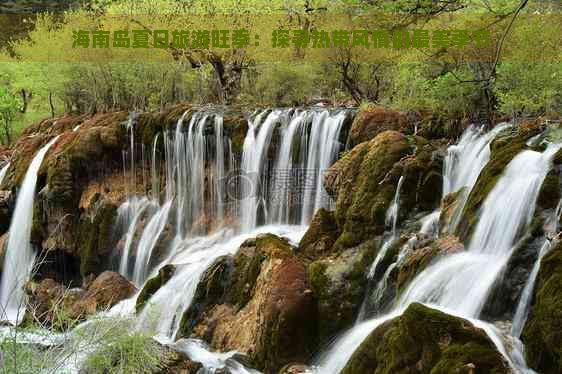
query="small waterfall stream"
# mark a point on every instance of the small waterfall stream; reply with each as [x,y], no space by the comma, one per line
[4,171]
[19,257]
[464,162]
[524,304]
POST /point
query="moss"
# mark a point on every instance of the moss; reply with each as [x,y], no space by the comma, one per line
[95,238]
[425,340]
[320,236]
[38,232]
[373,120]
[542,333]
[338,284]
[210,291]
[365,183]
[549,194]
[235,128]
[247,267]
[153,285]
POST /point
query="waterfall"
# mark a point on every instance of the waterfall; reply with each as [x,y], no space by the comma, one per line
[3,172]
[323,147]
[130,213]
[464,162]
[154,174]
[283,186]
[147,241]
[391,219]
[462,281]
[193,257]
[524,304]
[255,148]
[19,257]
[291,190]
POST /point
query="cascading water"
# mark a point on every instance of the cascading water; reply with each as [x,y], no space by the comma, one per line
[295,180]
[391,220]
[283,186]
[459,284]
[165,308]
[3,172]
[464,162]
[463,281]
[256,145]
[19,257]
[323,147]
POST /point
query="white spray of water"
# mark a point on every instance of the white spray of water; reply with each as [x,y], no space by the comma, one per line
[460,283]
[3,172]
[255,148]
[164,310]
[323,147]
[198,351]
[19,257]
[464,162]
[282,179]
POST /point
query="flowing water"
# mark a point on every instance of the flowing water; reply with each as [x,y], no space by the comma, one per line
[19,257]
[459,284]
[464,162]
[3,172]
[191,221]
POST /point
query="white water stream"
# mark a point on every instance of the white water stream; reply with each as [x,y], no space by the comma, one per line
[19,257]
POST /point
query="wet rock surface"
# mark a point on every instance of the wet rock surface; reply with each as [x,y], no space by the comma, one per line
[257,302]
[428,341]
[542,333]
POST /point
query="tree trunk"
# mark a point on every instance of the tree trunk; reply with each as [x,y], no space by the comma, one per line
[23,94]
[51,105]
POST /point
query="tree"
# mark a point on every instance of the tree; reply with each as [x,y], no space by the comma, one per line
[9,106]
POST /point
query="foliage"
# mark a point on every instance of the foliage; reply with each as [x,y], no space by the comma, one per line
[520,79]
[9,106]
[127,353]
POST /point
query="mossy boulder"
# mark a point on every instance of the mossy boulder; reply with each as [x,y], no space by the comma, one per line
[256,302]
[153,285]
[542,333]
[321,235]
[363,183]
[373,120]
[235,127]
[422,173]
[95,237]
[424,340]
[339,284]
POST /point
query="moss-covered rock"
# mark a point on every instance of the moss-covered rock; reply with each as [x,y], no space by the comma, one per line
[95,237]
[420,258]
[424,340]
[373,120]
[256,302]
[339,284]
[364,186]
[153,285]
[320,236]
[542,333]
